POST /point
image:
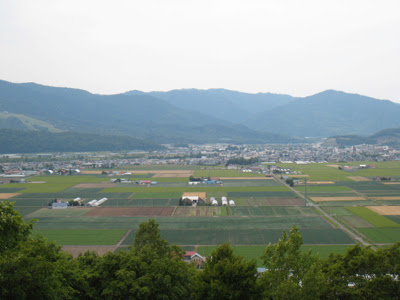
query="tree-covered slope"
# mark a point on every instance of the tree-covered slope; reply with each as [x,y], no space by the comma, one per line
[389,137]
[224,104]
[140,116]
[20,141]
[329,113]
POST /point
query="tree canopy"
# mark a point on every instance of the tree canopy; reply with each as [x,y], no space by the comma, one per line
[33,268]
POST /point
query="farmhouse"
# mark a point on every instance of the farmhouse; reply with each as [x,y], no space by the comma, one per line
[192,257]
[194,198]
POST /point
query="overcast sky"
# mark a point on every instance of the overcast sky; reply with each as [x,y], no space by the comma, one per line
[290,47]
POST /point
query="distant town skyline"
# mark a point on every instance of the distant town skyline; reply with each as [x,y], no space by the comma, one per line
[290,47]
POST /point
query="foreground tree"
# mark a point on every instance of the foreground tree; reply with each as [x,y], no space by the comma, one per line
[151,269]
[291,273]
[227,276]
[363,273]
[13,228]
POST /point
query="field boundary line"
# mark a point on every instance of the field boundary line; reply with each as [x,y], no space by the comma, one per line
[123,238]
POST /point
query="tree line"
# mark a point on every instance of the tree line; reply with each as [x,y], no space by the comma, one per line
[33,268]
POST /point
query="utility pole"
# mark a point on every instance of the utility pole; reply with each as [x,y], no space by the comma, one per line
[305,191]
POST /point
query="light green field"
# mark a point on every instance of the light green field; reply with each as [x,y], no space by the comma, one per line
[82,236]
[224,173]
[382,235]
[67,212]
[318,171]
[372,217]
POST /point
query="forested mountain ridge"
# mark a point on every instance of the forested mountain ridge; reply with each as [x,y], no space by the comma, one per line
[202,116]
[21,141]
[141,116]
[224,104]
[329,113]
[389,137]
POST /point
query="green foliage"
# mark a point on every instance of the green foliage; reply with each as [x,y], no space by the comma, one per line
[227,276]
[363,273]
[18,141]
[13,228]
[242,161]
[36,269]
[291,273]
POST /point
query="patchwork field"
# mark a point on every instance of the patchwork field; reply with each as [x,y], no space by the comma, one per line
[129,211]
[263,208]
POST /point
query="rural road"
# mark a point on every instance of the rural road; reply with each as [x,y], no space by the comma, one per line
[327,216]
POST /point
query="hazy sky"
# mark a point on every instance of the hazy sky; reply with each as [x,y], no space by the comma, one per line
[292,47]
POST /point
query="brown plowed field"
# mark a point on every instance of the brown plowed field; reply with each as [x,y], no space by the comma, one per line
[387,198]
[386,210]
[391,183]
[8,195]
[129,211]
[94,185]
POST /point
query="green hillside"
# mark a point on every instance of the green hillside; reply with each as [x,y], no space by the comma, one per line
[16,121]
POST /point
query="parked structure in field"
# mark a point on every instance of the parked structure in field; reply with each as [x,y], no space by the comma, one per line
[224,201]
[59,205]
[193,198]
[231,203]
[213,201]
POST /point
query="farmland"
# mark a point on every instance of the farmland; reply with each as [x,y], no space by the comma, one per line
[263,208]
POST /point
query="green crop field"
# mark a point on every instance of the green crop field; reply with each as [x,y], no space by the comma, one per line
[216,236]
[82,222]
[68,212]
[318,171]
[372,217]
[82,236]
[324,188]
[156,195]
[26,210]
[382,235]
[268,194]
[224,173]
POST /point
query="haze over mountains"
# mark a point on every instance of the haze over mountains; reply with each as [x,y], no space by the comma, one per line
[195,116]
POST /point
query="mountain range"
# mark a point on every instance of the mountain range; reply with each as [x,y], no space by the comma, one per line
[195,116]
[387,137]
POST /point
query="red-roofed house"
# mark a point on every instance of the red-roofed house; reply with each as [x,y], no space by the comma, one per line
[192,257]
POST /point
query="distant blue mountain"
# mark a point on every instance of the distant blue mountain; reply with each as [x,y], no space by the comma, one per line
[137,115]
[329,113]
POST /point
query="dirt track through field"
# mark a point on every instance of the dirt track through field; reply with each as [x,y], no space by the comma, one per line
[320,182]
[386,210]
[389,183]
[8,195]
[129,211]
